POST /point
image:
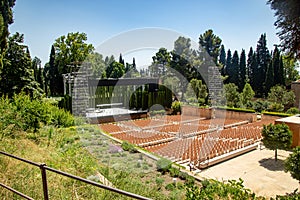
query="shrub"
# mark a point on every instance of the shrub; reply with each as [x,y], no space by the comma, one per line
[183,175]
[292,164]
[61,118]
[126,146]
[170,187]
[260,105]
[276,107]
[293,110]
[174,172]
[159,182]
[212,189]
[176,107]
[163,165]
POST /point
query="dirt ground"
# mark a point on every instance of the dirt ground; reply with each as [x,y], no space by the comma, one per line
[259,171]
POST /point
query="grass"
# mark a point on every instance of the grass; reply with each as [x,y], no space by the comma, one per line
[81,151]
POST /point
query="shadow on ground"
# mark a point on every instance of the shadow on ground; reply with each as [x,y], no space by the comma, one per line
[271,164]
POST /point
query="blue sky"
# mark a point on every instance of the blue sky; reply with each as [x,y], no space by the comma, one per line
[239,23]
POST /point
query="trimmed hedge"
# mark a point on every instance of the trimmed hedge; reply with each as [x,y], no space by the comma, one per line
[236,109]
[277,114]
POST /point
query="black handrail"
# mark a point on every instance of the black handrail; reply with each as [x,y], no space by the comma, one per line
[43,168]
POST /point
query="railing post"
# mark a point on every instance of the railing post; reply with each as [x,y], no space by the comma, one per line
[44,179]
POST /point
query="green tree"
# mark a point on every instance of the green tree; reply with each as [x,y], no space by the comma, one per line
[222,60]
[198,91]
[233,69]
[211,43]
[242,71]
[277,137]
[288,23]
[97,64]
[6,18]
[232,95]
[228,65]
[118,70]
[17,74]
[38,71]
[292,164]
[182,63]
[270,78]
[54,77]
[247,94]
[263,59]
[71,50]
[109,65]
[290,66]
[278,94]
[161,60]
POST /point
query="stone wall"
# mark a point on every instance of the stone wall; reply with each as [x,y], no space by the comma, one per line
[218,113]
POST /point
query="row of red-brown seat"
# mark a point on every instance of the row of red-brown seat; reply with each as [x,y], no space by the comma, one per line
[141,137]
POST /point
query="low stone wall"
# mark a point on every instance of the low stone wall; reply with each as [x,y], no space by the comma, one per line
[218,113]
[196,111]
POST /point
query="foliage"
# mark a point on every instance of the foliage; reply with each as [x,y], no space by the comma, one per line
[276,137]
[159,182]
[66,103]
[17,74]
[212,189]
[232,69]
[71,49]
[174,172]
[242,71]
[24,113]
[279,94]
[97,63]
[211,43]
[161,60]
[118,70]
[61,118]
[232,95]
[291,196]
[287,13]
[163,165]
[275,107]
[292,163]
[291,67]
[196,89]
[260,105]
[293,110]
[126,146]
[247,94]
[170,186]
[6,18]
[176,107]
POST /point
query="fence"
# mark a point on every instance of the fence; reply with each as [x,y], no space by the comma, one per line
[43,167]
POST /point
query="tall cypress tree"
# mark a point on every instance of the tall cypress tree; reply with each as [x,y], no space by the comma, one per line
[222,59]
[249,64]
[281,72]
[53,74]
[269,82]
[242,71]
[263,59]
[228,65]
[121,60]
[234,76]
[276,63]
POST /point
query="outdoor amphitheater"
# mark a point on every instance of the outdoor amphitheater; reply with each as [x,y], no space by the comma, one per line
[198,137]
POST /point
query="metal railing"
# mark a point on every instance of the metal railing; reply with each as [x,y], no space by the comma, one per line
[43,167]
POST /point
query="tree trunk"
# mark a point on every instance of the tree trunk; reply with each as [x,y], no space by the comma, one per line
[276,155]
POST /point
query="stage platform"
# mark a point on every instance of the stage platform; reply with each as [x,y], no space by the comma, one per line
[97,116]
